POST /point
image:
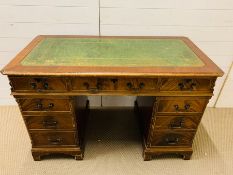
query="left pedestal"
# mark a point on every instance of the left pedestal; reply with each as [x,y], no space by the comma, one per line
[55,124]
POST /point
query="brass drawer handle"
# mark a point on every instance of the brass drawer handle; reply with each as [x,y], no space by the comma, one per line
[193,86]
[176,107]
[172,141]
[129,85]
[141,85]
[93,89]
[114,81]
[135,89]
[181,86]
[50,124]
[46,85]
[187,84]
[186,108]
[55,141]
[34,86]
[51,105]
[40,106]
[177,124]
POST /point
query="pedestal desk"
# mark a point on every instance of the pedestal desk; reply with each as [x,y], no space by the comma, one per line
[52,77]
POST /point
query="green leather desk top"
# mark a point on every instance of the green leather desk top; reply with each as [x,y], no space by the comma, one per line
[74,55]
[112,52]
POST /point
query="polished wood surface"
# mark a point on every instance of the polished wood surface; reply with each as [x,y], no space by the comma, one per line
[179,105]
[186,84]
[44,105]
[98,85]
[171,138]
[53,100]
[54,139]
[38,84]
[179,122]
[50,121]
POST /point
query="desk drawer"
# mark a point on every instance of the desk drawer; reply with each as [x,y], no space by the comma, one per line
[58,121]
[137,85]
[178,105]
[172,138]
[176,122]
[128,85]
[90,85]
[186,84]
[38,84]
[53,139]
[40,104]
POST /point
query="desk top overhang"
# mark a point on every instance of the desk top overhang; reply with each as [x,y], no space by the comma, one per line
[61,55]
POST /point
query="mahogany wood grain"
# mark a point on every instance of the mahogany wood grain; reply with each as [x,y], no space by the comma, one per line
[38,84]
[114,84]
[171,138]
[54,138]
[179,122]
[51,122]
[40,104]
[187,84]
[179,105]
[111,86]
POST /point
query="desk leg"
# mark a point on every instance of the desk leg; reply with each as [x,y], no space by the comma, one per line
[39,153]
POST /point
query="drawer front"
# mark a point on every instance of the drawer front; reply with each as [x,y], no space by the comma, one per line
[186,84]
[172,138]
[53,138]
[39,85]
[176,122]
[137,85]
[181,104]
[58,121]
[90,85]
[33,104]
[98,85]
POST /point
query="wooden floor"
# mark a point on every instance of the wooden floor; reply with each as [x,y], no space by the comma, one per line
[113,146]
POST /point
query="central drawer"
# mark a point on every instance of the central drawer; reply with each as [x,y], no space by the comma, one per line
[53,139]
[58,121]
[127,85]
[44,104]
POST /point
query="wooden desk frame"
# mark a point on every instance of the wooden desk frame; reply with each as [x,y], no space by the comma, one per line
[170,100]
